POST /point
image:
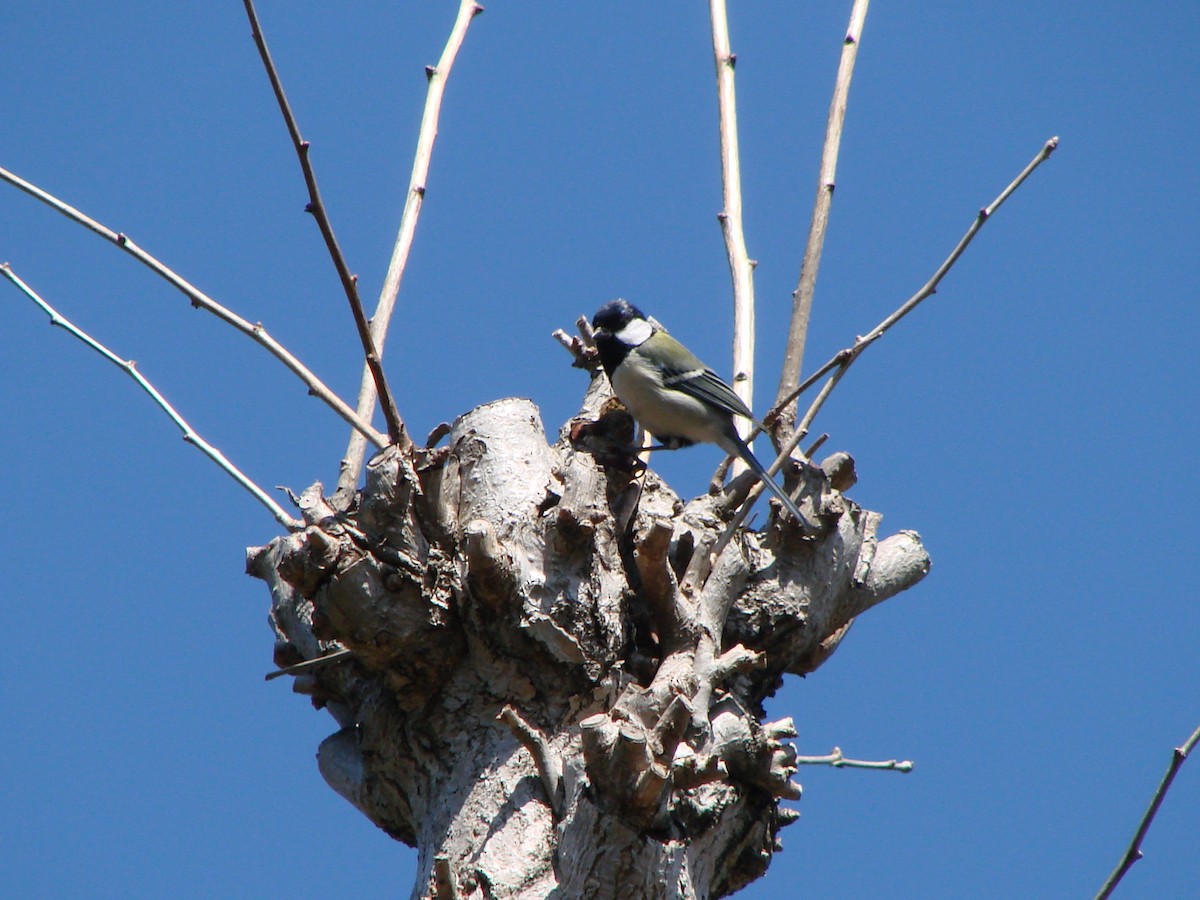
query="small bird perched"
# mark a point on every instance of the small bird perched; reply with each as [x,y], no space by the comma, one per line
[670,392]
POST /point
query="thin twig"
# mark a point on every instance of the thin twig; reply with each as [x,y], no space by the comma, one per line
[585,356]
[314,663]
[816,445]
[838,761]
[316,206]
[843,359]
[802,297]
[130,368]
[846,356]
[741,268]
[437,76]
[199,299]
[1134,853]
[802,427]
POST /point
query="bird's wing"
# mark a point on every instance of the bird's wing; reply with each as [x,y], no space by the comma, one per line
[692,377]
[706,385]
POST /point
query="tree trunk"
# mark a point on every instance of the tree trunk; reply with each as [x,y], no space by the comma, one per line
[551,689]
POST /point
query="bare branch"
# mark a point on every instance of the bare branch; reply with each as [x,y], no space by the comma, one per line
[1134,853]
[585,331]
[437,75]
[984,214]
[842,360]
[313,663]
[130,368]
[316,206]
[839,761]
[585,355]
[802,297]
[201,300]
[741,267]
[818,401]
[816,445]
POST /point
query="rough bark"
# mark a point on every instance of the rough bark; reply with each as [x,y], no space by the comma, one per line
[532,700]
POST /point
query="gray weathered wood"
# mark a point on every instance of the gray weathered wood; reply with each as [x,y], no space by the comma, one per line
[532,700]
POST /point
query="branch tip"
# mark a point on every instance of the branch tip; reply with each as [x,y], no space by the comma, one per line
[201,300]
[315,206]
[837,760]
[741,271]
[842,360]
[129,366]
[802,297]
[1178,755]
[307,664]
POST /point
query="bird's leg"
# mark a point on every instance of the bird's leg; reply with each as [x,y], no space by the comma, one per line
[636,450]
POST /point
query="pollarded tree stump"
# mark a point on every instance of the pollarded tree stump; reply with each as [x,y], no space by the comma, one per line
[551,689]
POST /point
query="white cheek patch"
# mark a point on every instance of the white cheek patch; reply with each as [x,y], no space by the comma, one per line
[636,333]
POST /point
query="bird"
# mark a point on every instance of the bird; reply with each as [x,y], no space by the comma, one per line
[670,392]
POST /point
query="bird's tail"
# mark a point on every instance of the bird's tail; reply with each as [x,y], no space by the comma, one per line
[739,448]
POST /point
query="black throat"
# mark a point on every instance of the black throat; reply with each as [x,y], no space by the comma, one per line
[611,350]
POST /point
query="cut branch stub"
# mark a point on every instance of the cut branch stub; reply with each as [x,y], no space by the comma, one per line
[799,600]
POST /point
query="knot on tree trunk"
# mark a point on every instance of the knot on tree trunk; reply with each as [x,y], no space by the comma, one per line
[553,682]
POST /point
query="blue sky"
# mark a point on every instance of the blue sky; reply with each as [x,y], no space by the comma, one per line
[1035,421]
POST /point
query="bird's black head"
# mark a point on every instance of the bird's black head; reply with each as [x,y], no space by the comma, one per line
[612,333]
[615,315]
